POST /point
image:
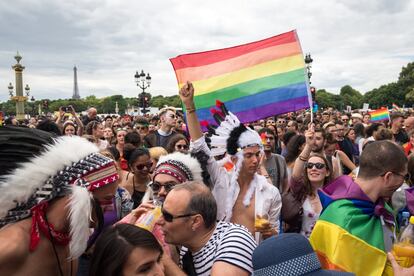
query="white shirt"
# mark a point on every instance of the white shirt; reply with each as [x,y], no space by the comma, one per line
[267,197]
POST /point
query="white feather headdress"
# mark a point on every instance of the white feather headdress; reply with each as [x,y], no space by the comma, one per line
[42,168]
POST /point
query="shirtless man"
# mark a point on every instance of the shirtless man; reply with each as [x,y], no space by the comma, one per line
[66,175]
[245,193]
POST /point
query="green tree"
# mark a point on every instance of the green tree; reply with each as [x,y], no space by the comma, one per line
[351,97]
[326,99]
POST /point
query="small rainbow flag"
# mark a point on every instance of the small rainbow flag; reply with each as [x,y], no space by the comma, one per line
[381,114]
[254,80]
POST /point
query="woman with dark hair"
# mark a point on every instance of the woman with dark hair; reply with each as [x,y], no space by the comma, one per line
[370,132]
[95,129]
[178,143]
[138,177]
[133,138]
[301,205]
[69,128]
[293,149]
[127,250]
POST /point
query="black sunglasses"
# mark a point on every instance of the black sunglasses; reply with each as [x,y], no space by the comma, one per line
[156,186]
[169,218]
[183,147]
[310,165]
[142,166]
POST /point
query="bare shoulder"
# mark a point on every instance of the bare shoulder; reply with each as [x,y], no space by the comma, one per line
[14,245]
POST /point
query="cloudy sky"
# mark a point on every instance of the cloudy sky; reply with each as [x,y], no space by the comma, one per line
[360,43]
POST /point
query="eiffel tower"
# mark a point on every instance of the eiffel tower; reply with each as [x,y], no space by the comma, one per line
[75,84]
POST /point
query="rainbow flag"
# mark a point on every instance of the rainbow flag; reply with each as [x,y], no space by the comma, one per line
[254,80]
[381,114]
[348,235]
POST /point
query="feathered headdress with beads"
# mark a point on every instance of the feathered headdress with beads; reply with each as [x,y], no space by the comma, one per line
[37,167]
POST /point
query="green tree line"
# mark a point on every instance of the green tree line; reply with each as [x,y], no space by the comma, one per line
[400,92]
[103,105]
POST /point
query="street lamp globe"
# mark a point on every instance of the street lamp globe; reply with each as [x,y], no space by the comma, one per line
[148,78]
[10,87]
[27,89]
[136,76]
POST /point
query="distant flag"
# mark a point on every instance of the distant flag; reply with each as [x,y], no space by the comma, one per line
[254,80]
[395,107]
[381,114]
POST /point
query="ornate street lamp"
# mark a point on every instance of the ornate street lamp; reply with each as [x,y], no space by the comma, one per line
[143,81]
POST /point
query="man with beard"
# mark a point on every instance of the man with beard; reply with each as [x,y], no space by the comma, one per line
[274,163]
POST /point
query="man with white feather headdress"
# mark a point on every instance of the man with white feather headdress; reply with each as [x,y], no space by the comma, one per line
[243,195]
[51,190]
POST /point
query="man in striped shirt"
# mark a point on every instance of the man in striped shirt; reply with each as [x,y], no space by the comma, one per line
[208,247]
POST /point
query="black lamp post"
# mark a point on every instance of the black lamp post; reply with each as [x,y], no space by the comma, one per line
[32,100]
[143,81]
[308,61]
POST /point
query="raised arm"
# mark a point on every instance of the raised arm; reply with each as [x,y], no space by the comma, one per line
[77,120]
[297,172]
[187,97]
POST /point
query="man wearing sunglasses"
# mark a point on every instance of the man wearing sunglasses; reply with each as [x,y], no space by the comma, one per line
[208,247]
[355,229]
[161,137]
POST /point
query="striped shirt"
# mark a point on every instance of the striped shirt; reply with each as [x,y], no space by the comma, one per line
[230,243]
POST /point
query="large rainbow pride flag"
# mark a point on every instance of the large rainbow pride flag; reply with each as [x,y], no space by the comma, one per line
[348,235]
[254,80]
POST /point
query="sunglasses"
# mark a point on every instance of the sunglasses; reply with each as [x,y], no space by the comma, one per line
[310,165]
[169,218]
[156,186]
[172,116]
[141,128]
[182,147]
[142,166]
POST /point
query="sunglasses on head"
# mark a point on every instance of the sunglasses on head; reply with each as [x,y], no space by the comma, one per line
[169,218]
[182,147]
[156,186]
[142,166]
[310,165]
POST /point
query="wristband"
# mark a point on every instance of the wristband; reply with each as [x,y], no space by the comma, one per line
[303,159]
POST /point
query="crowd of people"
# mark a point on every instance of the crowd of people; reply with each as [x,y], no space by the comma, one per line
[279,196]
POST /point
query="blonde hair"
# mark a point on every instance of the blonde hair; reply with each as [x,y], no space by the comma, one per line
[165,109]
[157,152]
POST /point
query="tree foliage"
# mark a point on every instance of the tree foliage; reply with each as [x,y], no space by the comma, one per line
[103,105]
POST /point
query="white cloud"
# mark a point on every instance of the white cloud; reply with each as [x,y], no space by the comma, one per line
[360,43]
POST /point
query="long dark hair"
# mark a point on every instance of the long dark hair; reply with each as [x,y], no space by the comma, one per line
[293,148]
[115,245]
[307,189]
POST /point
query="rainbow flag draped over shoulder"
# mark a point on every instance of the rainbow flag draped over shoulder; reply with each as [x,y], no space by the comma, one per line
[254,80]
[348,235]
[381,114]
